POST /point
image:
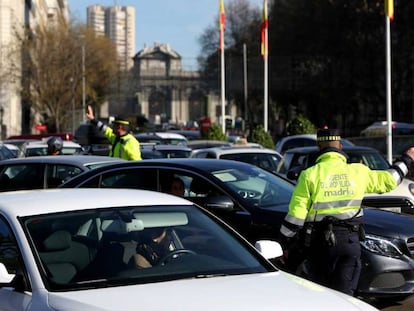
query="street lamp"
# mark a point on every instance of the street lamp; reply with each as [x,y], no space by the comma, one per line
[83,84]
[1,122]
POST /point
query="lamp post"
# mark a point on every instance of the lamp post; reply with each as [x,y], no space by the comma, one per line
[1,122]
[72,84]
[83,84]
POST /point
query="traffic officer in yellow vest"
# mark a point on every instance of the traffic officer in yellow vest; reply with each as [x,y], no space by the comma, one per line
[325,217]
[124,144]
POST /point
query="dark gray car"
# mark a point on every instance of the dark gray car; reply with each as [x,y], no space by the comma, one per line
[46,171]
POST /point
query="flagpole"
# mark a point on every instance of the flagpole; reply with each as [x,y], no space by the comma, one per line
[222,25]
[266,85]
[388,87]
[265,35]
[223,88]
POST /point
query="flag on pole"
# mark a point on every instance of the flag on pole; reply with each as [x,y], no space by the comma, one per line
[222,24]
[389,9]
[263,30]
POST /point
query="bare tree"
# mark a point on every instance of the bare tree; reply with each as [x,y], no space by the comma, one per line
[54,62]
[240,16]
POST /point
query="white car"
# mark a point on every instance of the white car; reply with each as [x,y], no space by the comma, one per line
[380,128]
[265,158]
[166,138]
[39,148]
[80,249]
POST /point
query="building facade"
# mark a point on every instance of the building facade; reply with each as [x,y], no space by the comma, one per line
[118,24]
[15,16]
[168,94]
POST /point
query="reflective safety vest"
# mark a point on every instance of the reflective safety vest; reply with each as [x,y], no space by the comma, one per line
[332,187]
[125,147]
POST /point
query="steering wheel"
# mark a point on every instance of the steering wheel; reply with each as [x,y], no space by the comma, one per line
[249,194]
[171,254]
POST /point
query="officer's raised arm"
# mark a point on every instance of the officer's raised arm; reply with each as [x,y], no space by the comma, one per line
[401,166]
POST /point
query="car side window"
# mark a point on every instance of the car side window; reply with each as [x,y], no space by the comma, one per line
[20,177]
[201,154]
[136,178]
[9,251]
[194,185]
[58,174]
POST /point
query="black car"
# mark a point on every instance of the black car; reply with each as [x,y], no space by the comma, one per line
[46,171]
[255,202]
[400,200]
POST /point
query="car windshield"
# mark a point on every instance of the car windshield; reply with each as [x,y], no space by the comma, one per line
[374,160]
[135,245]
[5,153]
[371,158]
[268,162]
[42,150]
[256,186]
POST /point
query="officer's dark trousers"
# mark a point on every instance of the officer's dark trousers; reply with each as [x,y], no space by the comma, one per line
[339,266]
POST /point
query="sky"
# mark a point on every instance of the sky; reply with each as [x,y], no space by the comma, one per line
[178,23]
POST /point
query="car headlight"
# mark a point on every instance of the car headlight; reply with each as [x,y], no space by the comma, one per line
[381,246]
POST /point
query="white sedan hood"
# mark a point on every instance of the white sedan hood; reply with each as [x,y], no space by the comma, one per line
[263,291]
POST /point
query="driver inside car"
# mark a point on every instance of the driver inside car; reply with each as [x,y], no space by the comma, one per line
[154,245]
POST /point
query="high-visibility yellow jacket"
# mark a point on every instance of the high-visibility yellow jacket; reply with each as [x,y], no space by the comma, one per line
[332,187]
[125,147]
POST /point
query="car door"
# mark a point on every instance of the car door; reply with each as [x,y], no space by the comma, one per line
[19,298]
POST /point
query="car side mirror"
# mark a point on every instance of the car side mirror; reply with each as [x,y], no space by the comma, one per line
[269,249]
[219,202]
[5,277]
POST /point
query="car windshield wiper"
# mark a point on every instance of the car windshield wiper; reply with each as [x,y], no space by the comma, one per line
[205,276]
[97,281]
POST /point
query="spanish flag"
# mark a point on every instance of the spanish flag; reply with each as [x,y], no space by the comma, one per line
[263,30]
[389,9]
[222,24]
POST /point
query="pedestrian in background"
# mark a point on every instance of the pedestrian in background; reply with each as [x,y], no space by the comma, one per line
[325,217]
[124,144]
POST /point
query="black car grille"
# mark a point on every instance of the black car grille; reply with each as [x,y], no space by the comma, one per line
[405,204]
[410,245]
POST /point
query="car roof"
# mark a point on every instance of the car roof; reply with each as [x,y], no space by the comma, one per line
[204,143]
[200,166]
[154,146]
[80,160]
[311,137]
[165,135]
[190,135]
[41,143]
[238,149]
[34,202]
[305,150]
